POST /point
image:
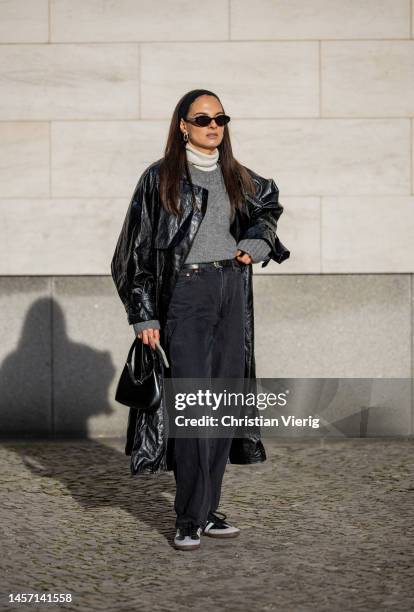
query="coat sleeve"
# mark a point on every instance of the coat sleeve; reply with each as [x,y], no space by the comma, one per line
[133,267]
[265,211]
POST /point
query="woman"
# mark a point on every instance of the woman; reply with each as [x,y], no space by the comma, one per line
[182,267]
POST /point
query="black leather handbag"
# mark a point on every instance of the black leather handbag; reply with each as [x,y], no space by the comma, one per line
[139,384]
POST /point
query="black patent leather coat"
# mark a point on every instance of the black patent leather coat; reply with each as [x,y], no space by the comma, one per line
[149,253]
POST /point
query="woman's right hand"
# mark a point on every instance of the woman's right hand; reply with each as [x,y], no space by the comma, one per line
[149,336]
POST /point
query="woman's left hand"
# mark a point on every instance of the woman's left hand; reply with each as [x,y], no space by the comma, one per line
[245,258]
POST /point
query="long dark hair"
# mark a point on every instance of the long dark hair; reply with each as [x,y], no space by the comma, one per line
[174,163]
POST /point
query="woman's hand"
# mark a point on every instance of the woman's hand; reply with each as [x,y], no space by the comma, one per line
[245,258]
[149,336]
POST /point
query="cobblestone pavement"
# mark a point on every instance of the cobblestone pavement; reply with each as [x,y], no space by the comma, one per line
[326,525]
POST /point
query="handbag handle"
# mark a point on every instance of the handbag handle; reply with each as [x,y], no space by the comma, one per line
[131,366]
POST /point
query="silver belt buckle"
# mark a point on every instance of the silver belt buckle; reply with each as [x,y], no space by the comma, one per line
[217,264]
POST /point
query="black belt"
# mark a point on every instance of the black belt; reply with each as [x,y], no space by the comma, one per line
[221,263]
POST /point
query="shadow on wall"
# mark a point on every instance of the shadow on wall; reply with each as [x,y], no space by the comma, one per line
[50,385]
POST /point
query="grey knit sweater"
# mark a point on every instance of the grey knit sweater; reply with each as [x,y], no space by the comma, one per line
[213,240]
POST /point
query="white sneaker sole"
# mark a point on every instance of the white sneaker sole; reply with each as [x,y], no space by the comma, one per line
[222,534]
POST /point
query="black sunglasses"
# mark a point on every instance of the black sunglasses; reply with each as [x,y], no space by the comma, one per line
[205,120]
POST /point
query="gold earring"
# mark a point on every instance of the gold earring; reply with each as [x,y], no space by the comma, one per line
[185,136]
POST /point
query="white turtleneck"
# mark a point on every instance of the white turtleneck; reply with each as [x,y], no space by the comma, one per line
[202,161]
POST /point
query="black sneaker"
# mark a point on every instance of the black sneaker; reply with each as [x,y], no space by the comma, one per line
[217,527]
[187,537]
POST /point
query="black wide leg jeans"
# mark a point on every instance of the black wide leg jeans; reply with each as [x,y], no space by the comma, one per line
[205,334]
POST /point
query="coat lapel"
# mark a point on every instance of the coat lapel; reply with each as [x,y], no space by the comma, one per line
[171,228]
